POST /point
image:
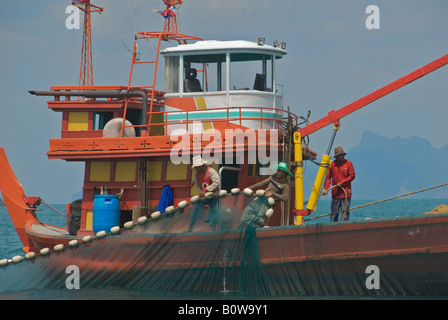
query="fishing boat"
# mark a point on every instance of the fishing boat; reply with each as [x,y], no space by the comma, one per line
[137,144]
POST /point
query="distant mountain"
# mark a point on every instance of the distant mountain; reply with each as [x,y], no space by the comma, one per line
[387,167]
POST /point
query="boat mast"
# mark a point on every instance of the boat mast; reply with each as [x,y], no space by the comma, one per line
[171,21]
[86,69]
[168,33]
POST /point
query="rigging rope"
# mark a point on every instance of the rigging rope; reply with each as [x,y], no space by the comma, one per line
[57,211]
[379,201]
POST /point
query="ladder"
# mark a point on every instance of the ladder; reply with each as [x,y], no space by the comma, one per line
[168,33]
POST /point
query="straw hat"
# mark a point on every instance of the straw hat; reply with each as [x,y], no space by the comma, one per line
[198,162]
[338,151]
[284,167]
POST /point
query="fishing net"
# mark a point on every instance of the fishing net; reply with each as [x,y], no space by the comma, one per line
[180,252]
[172,255]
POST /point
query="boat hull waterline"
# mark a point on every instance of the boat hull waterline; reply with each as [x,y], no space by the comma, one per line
[410,255]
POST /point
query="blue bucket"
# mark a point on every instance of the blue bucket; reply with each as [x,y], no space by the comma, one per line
[106,212]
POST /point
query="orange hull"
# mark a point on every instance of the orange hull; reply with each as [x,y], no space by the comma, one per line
[15,200]
[49,236]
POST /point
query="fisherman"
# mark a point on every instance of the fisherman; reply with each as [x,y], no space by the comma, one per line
[341,173]
[206,179]
[278,189]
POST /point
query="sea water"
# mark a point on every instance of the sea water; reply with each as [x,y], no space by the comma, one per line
[10,246]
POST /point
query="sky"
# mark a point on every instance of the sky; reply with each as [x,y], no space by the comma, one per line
[333,59]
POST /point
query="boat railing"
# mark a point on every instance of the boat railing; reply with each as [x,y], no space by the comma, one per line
[261,117]
[157,123]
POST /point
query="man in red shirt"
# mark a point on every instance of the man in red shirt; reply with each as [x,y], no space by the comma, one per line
[341,173]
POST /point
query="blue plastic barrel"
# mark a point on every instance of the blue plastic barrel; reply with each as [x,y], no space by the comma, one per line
[106,212]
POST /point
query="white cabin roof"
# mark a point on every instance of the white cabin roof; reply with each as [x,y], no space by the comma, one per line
[214,46]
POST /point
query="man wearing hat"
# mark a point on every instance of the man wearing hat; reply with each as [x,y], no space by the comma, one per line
[340,173]
[278,189]
[206,179]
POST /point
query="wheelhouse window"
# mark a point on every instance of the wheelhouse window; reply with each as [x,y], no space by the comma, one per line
[172,74]
[204,73]
[220,72]
[251,72]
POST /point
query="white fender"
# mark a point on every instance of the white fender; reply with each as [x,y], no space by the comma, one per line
[115,230]
[169,210]
[156,215]
[101,234]
[142,220]
[182,204]
[17,259]
[223,193]
[248,192]
[58,247]
[73,243]
[235,191]
[128,225]
[30,255]
[260,193]
[195,199]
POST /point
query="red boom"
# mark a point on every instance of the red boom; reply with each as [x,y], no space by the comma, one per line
[334,116]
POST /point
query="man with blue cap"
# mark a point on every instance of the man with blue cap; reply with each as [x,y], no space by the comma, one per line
[278,189]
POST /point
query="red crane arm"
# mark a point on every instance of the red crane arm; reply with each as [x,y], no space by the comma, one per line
[335,116]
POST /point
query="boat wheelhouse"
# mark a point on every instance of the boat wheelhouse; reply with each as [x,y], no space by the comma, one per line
[212,76]
[221,100]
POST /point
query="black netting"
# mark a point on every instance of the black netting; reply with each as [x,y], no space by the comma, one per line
[165,256]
